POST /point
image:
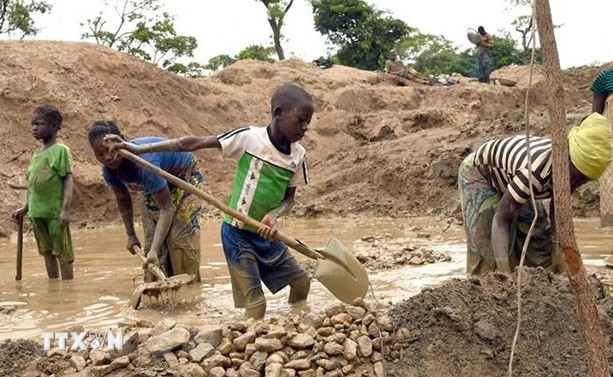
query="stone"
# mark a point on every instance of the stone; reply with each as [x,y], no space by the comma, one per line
[341,319]
[99,357]
[226,347]
[374,330]
[275,332]
[376,356]
[378,367]
[212,337]
[202,351]
[120,362]
[163,326]
[275,358]
[217,372]
[335,309]
[308,321]
[143,360]
[246,372]
[355,312]
[216,361]
[328,364]
[299,364]
[172,360]
[78,362]
[191,370]
[326,331]
[485,330]
[100,370]
[306,373]
[301,341]
[130,343]
[258,360]
[333,349]
[368,319]
[273,370]
[231,372]
[268,345]
[385,323]
[338,337]
[241,342]
[350,349]
[167,341]
[289,373]
[250,350]
[302,354]
[347,368]
[365,346]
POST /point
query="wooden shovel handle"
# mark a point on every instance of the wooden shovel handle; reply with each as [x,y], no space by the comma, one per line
[286,239]
[155,270]
[19,257]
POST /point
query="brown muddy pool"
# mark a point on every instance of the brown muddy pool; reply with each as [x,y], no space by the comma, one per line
[106,274]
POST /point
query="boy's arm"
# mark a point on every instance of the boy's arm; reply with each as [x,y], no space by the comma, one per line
[124,205]
[271,225]
[182,144]
[67,188]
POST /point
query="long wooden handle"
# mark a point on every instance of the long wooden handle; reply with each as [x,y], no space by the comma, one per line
[19,257]
[289,241]
[155,270]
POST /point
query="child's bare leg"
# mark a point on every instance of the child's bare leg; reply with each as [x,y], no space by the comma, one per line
[256,312]
[51,265]
[299,289]
[66,270]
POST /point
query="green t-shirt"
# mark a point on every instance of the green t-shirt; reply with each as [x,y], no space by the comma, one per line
[45,174]
[263,172]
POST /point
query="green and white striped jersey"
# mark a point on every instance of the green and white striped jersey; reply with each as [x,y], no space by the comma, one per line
[263,172]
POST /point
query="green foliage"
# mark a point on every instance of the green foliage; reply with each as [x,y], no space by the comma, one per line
[276,11]
[141,31]
[364,35]
[16,16]
[192,69]
[219,61]
[257,52]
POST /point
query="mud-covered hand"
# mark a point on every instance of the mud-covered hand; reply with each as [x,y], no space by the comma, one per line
[19,214]
[270,226]
[64,219]
[115,143]
[133,243]
[152,258]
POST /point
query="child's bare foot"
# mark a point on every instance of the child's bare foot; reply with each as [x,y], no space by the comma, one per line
[300,307]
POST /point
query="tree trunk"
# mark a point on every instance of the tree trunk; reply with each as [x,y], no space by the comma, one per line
[276,37]
[587,312]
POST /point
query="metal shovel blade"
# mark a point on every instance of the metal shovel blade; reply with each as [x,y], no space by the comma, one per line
[341,273]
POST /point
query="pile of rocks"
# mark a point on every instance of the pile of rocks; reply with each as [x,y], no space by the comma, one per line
[385,252]
[342,340]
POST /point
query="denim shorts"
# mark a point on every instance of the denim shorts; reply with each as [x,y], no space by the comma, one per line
[252,260]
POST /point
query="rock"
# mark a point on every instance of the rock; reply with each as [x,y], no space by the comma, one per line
[308,321]
[100,370]
[376,356]
[258,360]
[273,370]
[338,337]
[350,349]
[241,342]
[212,337]
[385,323]
[326,331]
[99,357]
[216,361]
[226,347]
[231,372]
[355,312]
[485,330]
[379,371]
[163,326]
[217,372]
[78,362]
[328,364]
[335,309]
[368,319]
[306,373]
[191,370]
[289,373]
[302,354]
[120,362]
[341,319]
[246,372]
[346,369]
[365,346]
[250,350]
[172,360]
[333,349]
[202,351]
[275,358]
[143,360]
[275,332]
[167,341]
[374,330]
[268,345]
[301,341]
[282,355]
[299,364]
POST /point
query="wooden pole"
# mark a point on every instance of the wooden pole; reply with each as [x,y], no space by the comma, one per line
[587,312]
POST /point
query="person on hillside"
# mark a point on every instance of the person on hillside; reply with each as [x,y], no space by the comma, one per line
[495,195]
[602,88]
[484,48]
[171,216]
[49,197]
[271,165]
[395,66]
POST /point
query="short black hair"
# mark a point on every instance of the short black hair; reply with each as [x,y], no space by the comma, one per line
[289,95]
[101,128]
[50,114]
[481,30]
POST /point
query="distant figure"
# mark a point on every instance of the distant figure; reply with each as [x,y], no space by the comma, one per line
[50,185]
[485,45]
[602,88]
[395,66]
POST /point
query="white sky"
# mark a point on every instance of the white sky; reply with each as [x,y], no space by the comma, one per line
[227,26]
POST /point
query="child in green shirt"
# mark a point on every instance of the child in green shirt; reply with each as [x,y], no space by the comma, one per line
[49,198]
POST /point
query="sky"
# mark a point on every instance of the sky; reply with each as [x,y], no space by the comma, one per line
[227,26]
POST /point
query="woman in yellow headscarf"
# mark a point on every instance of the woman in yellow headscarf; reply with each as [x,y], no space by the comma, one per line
[495,194]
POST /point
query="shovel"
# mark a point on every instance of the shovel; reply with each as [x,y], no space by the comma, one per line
[337,269]
[160,287]
[19,256]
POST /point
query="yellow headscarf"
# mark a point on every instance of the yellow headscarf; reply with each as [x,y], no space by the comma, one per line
[590,146]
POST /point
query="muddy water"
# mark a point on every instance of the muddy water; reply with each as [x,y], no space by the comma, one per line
[101,295]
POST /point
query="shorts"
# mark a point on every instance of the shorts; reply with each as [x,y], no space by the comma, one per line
[50,237]
[252,260]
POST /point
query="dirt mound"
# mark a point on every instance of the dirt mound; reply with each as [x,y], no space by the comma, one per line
[16,355]
[375,148]
[480,318]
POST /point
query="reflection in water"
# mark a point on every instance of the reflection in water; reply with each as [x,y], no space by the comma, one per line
[106,275]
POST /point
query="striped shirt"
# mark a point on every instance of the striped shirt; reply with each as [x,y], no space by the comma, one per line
[503,163]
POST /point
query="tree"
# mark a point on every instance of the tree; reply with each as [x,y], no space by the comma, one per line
[16,16]
[523,25]
[142,32]
[219,61]
[257,52]
[363,35]
[276,11]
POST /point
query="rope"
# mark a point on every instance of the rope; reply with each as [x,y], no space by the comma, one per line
[532,199]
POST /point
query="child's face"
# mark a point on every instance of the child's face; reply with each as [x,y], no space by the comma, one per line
[294,123]
[110,160]
[41,130]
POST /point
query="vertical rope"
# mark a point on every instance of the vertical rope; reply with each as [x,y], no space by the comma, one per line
[532,199]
